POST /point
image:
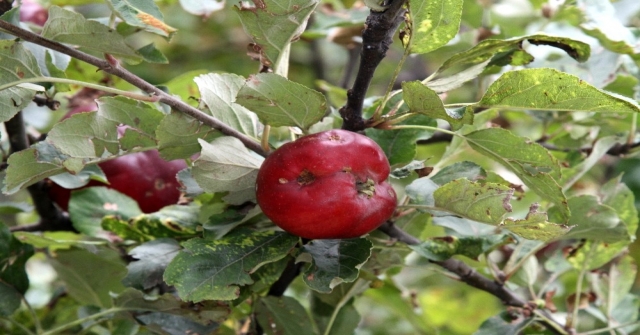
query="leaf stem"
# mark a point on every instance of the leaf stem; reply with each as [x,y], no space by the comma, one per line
[573,322]
[511,269]
[107,89]
[357,287]
[395,127]
[602,330]
[19,325]
[36,320]
[88,318]
[550,322]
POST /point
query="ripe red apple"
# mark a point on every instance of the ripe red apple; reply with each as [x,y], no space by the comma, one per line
[331,184]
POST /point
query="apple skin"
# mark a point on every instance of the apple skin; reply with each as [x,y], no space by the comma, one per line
[144,176]
[32,11]
[328,185]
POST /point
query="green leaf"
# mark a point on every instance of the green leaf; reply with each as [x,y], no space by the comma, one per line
[84,135]
[536,226]
[346,320]
[457,79]
[82,178]
[482,202]
[273,24]
[144,14]
[281,102]
[218,92]
[532,163]
[226,165]
[29,166]
[614,283]
[17,63]
[550,89]
[502,50]
[464,169]
[593,220]
[503,324]
[171,221]
[400,146]
[13,257]
[54,240]
[176,324]
[283,316]
[151,260]
[178,136]
[11,299]
[443,248]
[618,196]
[152,55]
[595,254]
[423,100]
[89,135]
[433,23]
[335,262]
[90,287]
[213,270]
[88,206]
[91,36]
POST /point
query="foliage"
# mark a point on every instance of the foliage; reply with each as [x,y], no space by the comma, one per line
[510,128]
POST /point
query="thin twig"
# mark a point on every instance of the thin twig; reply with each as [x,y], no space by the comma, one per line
[138,82]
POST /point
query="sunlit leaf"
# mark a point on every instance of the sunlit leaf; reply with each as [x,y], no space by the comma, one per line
[226,165]
[482,202]
[421,99]
[281,102]
[550,89]
[433,23]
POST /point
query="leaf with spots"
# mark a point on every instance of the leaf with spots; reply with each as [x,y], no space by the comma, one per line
[433,23]
[536,226]
[214,269]
[335,262]
[510,51]
[176,221]
[593,220]
[482,202]
[144,14]
[17,63]
[549,89]
[531,162]
[273,24]
[281,102]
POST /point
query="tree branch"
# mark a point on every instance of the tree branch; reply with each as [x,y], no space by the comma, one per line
[138,82]
[470,276]
[376,39]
